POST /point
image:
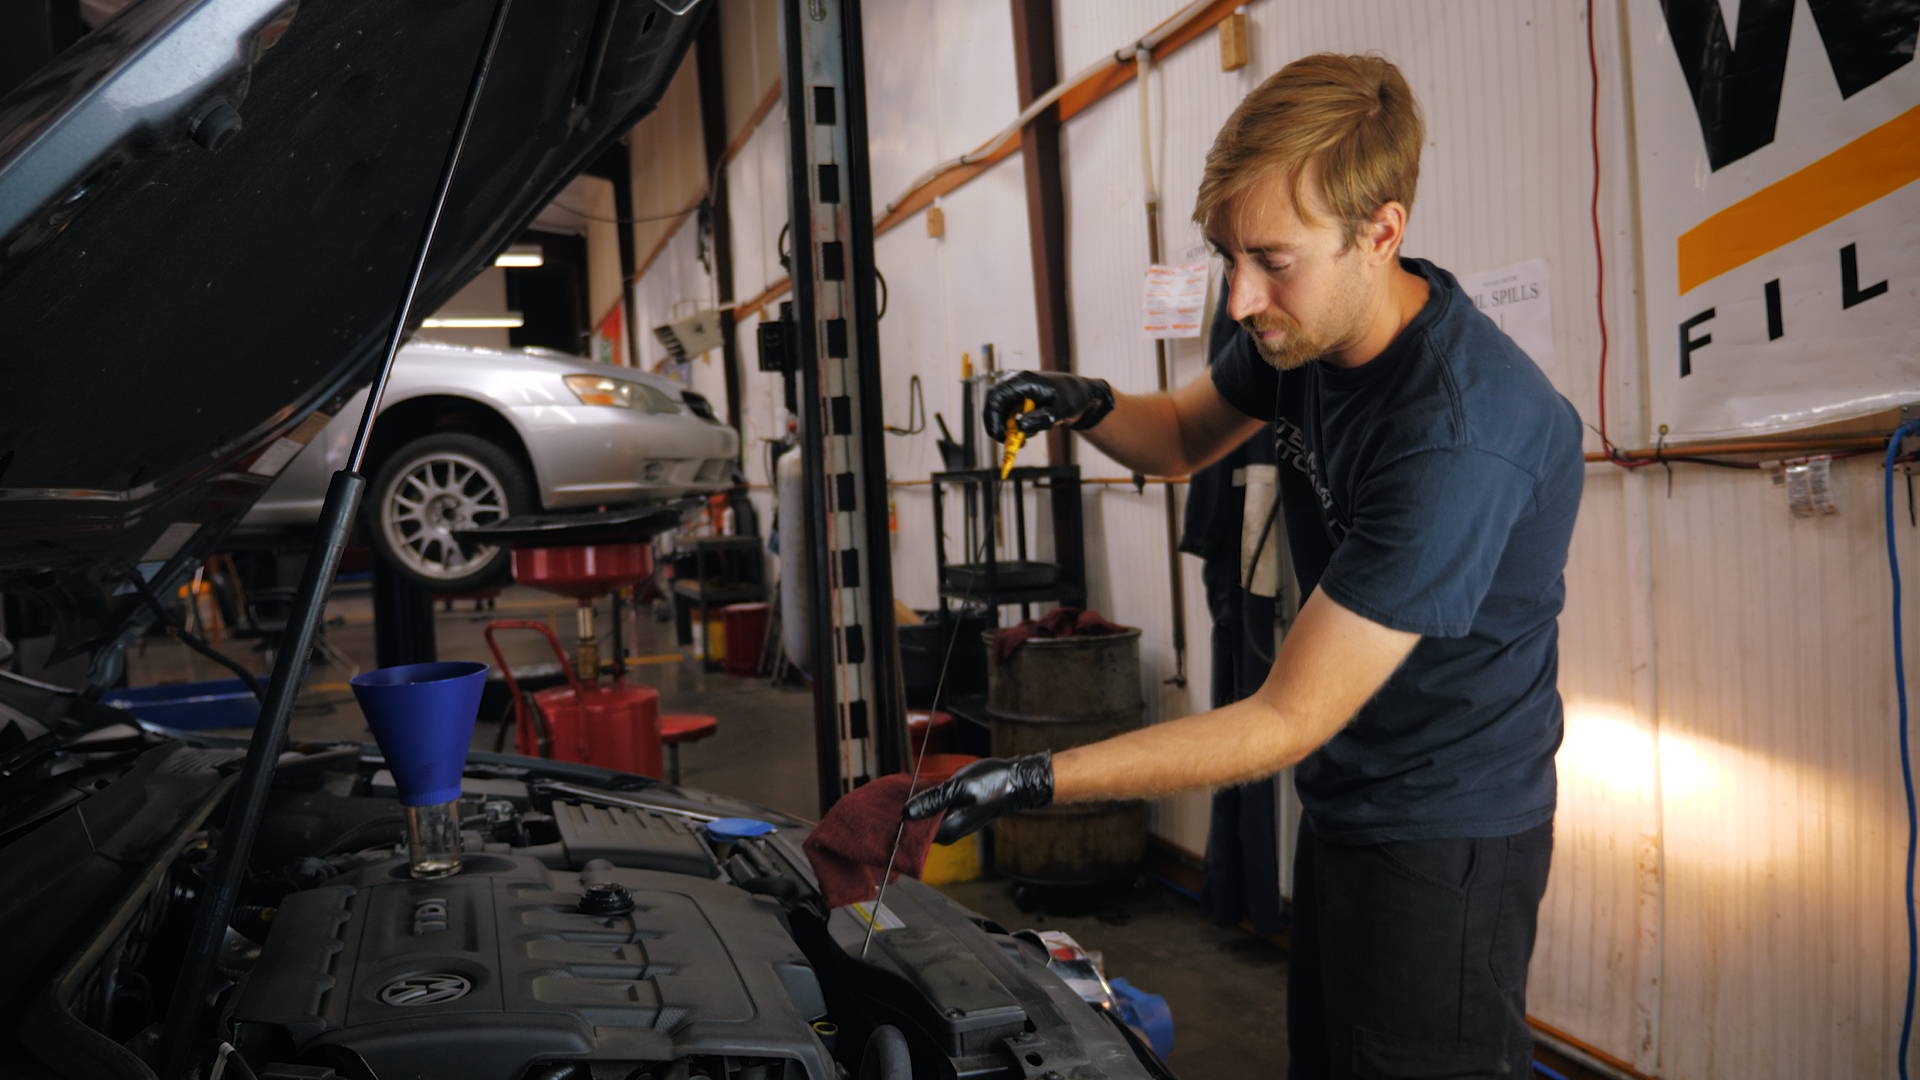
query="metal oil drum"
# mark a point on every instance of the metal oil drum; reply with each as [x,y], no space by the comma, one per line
[1055,694]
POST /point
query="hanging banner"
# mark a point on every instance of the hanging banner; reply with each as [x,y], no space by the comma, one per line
[610,336]
[1779,188]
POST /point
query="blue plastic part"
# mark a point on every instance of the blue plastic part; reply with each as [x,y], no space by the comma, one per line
[1911,427]
[422,716]
[1148,1012]
[737,828]
[216,703]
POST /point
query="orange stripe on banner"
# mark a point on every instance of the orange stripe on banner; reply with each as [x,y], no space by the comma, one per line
[1878,163]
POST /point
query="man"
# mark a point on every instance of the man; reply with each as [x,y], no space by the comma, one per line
[1430,480]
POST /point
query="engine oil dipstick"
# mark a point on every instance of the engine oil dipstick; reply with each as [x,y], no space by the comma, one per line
[1016,439]
[828,1033]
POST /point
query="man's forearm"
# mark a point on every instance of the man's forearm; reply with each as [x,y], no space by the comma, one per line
[1136,433]
[1329,664]
[1229,745]
[1171,434]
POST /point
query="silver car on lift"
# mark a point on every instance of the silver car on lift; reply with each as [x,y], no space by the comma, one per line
[470,436]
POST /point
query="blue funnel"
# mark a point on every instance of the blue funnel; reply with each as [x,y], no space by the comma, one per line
[422,716]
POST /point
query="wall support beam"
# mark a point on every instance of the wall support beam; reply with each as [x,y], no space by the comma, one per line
[1036,65]
[718,223]
[616,166]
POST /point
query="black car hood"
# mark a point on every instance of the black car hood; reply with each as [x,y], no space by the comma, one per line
[179,295]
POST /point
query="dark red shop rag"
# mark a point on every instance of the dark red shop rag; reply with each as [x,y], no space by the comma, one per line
[1058,623]
[850,847]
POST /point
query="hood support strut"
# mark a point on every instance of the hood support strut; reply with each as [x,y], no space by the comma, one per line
[249,799]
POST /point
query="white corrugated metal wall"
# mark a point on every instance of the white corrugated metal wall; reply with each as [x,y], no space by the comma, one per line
[939,83]
[757,181]
[1106,256]
[1725,896]
[1781,812]
[757,203]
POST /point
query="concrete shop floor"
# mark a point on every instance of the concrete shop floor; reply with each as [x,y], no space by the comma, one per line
[1226,988]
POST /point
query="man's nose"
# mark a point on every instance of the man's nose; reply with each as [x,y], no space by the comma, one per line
[1244,296]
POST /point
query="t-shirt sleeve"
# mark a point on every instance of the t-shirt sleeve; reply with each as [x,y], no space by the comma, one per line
[1247,382]
[1428,533]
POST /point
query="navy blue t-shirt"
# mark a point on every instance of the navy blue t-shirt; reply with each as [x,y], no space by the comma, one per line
[1432,489]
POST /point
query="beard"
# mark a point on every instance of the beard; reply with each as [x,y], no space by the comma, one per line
[1296,349]
[1341,318]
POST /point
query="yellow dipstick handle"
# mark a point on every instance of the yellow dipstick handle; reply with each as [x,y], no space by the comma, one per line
[1015,439]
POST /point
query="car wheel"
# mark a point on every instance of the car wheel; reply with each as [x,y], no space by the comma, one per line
[439,483]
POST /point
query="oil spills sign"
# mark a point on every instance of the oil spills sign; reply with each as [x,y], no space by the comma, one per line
[1779,191]
[1518,301]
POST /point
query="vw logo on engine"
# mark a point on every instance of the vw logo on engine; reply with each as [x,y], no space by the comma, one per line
[435,988]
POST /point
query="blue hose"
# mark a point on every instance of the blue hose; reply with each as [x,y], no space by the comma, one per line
[1911,427]
[1188,893]
[1548,1073]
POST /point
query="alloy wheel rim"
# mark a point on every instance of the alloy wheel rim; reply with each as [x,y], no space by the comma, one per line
[432,498]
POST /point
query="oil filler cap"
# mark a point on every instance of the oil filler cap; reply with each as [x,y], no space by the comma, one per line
[606,898]
[737,828]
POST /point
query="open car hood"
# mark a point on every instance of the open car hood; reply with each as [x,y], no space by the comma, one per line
[208,211]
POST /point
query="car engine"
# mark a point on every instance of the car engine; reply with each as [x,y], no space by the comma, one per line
[623,946]
[601,927]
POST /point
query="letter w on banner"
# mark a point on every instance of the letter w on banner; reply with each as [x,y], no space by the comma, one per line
[1779,162]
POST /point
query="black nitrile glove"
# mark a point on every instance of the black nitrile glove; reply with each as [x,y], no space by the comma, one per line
[983,791]
[1058,398]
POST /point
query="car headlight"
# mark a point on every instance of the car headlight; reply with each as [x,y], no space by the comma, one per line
[619,393]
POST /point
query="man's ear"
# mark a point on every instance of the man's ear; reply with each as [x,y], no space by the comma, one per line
[1382,232]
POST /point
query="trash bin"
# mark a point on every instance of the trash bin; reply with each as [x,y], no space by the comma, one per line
[746,631]
[1056,694]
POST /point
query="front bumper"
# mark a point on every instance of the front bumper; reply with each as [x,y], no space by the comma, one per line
[591,455]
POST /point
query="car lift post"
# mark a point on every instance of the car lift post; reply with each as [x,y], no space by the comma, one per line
[859,714]
[403,631]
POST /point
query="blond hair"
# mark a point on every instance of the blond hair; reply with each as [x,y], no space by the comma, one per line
[1349,121]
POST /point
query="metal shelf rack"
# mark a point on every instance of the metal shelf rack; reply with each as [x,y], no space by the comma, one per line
[983,585]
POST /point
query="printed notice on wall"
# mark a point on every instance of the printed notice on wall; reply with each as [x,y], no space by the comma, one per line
[1516,299]
[1173,299]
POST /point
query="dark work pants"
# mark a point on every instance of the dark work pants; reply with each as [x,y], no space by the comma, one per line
[1409,958]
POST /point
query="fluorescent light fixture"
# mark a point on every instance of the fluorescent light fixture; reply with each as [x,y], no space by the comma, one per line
[521,255]
[508,321]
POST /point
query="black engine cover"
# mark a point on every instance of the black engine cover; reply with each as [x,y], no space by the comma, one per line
[485,973]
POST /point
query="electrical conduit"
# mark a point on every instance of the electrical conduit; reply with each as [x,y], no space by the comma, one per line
[1177,588]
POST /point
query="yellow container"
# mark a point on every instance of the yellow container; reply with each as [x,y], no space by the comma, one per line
[709,640]
[961,860]
[950,863]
